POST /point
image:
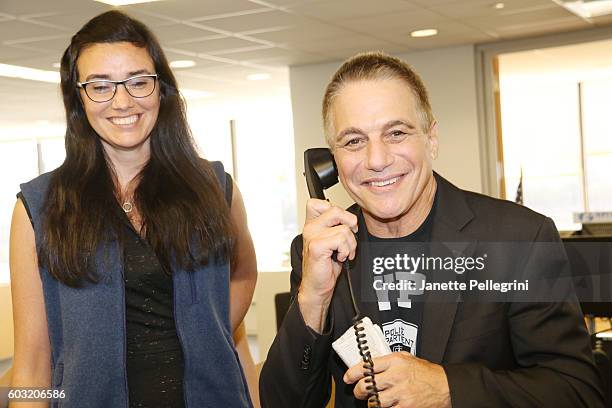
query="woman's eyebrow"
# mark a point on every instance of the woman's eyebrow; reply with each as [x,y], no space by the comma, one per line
[139,72]
[105,76]
[96,76]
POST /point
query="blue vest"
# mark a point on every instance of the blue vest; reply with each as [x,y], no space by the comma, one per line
[87,329]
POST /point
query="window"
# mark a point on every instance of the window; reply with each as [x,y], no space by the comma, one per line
[555,129]
[596,107]
[262,144]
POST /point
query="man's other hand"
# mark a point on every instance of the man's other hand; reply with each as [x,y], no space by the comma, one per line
[403,381]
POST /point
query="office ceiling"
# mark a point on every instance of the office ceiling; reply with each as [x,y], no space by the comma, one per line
[231,39]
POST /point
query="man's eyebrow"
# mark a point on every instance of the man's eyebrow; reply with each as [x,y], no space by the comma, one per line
[350,131]
[105,76]
[356,131]
[398,122]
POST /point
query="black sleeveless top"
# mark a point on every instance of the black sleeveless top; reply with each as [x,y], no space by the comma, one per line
[154,360]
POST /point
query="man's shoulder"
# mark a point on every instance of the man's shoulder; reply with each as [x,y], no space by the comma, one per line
[483,203]
[503,219]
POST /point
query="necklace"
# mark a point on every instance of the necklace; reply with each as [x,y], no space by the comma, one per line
[127,206]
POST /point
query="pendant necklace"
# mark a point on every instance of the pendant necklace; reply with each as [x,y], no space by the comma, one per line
[127,206]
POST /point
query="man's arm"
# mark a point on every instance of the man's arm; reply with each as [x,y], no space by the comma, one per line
[296,371]
[550,343]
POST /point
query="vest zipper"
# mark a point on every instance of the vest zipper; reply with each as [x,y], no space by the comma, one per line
[180,339]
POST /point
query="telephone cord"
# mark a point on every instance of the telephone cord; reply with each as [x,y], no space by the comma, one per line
[362,344]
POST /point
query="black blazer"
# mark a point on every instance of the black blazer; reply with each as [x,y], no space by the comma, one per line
[495,354]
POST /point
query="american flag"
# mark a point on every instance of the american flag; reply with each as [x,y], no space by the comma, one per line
[519,190]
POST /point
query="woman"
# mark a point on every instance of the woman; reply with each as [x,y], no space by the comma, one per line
[124,259]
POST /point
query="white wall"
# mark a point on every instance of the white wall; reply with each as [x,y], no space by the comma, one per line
[449,75]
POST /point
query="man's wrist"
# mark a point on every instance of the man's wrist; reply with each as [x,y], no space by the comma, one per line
[314,310]
[444,388]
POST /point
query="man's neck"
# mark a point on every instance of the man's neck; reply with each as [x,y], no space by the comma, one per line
[408,222]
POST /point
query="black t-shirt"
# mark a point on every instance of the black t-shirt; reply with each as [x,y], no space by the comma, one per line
[400,316]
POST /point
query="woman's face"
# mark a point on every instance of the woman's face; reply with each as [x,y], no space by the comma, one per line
[124,123]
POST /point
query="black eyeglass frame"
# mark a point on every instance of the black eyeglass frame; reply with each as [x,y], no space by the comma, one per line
[83,85]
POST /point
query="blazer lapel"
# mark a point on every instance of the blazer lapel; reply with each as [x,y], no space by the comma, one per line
[440,307]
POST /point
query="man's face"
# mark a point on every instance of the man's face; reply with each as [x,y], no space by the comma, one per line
[383,156]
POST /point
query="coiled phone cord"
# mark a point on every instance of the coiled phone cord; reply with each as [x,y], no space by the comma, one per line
[362,343]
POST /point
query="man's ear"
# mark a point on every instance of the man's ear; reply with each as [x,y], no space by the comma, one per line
[432,139]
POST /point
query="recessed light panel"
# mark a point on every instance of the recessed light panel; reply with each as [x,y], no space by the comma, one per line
[587,8]
[124,2]
[15,71]
[428,32]
[182,64]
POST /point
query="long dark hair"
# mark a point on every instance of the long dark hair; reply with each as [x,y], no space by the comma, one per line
[178,197]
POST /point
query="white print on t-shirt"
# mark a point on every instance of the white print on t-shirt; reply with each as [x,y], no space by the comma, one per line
[401,336]
[403,298]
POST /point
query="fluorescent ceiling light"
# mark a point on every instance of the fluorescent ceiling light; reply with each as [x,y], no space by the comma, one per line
[124,2]
[182,64]
[196,94]
[15,71]
[499,6]
[587,8]
[428,32]
[258,77]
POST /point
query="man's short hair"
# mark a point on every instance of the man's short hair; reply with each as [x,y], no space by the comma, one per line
[375,66]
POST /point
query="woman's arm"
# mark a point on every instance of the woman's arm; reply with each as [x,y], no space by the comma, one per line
[248,365]
[244,264]
[32,358]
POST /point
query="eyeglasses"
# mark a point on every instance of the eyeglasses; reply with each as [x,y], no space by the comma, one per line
[103,90]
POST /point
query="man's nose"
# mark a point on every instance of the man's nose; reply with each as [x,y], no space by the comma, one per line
[122,100]
[378,155]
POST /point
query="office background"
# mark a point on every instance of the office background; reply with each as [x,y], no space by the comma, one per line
[253,74]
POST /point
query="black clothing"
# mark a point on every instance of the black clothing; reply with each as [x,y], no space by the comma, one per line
[496,354]
[154,355]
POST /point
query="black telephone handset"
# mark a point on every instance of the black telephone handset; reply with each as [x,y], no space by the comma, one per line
[321,173]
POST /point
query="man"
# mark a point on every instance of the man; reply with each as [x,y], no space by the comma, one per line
[383,135]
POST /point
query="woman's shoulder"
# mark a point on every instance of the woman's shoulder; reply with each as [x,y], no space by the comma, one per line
[35,190]
[225,179]
[216,165]
[39,183]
